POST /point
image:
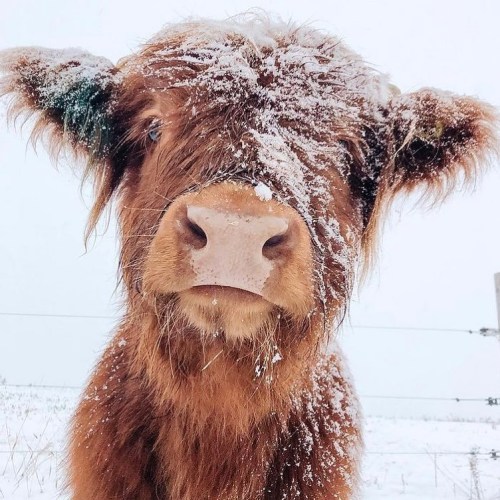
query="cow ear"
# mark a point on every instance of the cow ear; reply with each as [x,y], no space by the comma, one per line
[69,91]
[438,140]
[70,94]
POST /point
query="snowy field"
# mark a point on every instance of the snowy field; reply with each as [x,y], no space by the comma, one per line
[406,458]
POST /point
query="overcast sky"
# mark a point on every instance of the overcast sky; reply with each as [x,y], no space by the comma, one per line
[435,267]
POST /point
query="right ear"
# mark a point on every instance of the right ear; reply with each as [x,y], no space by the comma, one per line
[71,94]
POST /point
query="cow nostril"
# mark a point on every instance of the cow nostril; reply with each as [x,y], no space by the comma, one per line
[275,246]
[196,230]
[274,241]
[195,234]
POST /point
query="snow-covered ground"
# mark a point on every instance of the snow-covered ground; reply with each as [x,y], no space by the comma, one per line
[406,458]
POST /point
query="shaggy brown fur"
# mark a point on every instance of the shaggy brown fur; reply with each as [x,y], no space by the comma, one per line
[217,393]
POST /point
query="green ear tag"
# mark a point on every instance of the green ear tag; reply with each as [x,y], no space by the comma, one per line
[439,129]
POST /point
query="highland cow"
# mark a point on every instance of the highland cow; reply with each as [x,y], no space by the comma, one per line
[250,161]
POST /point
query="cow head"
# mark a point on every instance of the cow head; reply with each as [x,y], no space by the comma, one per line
[251,161]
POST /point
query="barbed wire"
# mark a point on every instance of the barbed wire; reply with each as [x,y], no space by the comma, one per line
[412,328]
[490,401]
[42,386]
[388,328]
[50,315]
[493,454]
[33,452]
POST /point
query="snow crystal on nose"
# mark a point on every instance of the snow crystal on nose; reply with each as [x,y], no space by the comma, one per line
[263,192]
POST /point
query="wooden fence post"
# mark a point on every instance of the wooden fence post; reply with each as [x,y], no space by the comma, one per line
[497,290]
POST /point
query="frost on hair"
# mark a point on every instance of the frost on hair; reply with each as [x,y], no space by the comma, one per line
[296,108]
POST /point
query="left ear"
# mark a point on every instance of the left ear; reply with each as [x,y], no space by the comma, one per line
[438,139]
[71,95]
[69,91]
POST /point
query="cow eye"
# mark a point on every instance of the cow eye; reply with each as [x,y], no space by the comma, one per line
[154,132]
[154,135]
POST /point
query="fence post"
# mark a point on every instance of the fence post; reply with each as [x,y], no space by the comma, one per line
[494,332]
[497,290]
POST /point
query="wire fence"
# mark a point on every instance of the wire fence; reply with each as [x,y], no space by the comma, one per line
[51,315]
[384,328]
[42,386]
[490,401]
[493,454]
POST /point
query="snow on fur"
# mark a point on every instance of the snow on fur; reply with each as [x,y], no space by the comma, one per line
[297,75]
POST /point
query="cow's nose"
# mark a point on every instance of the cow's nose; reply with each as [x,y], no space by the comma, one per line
[232,249]
[208,226]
